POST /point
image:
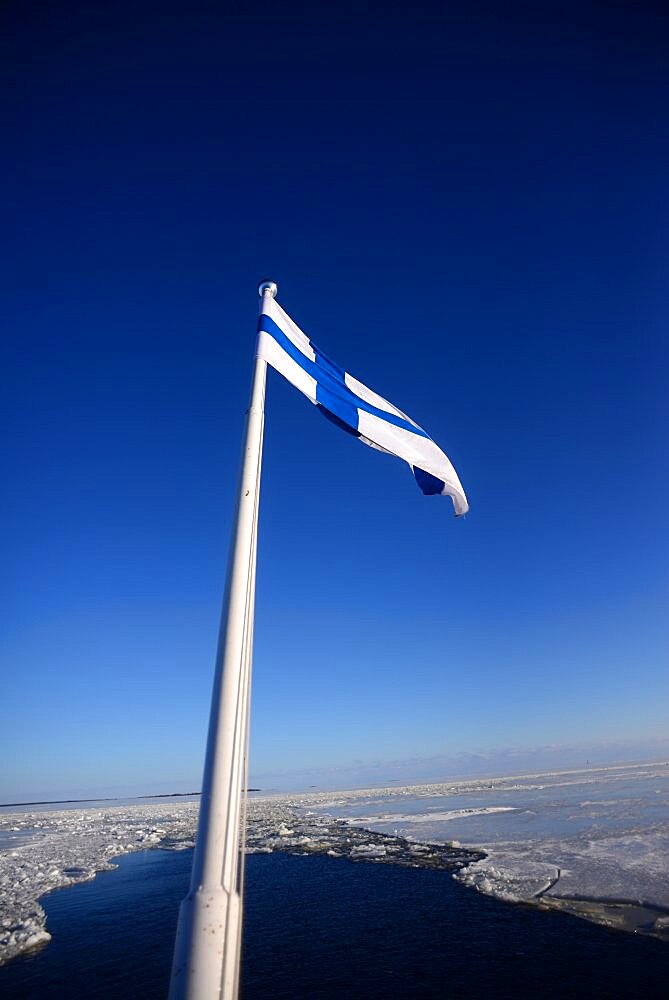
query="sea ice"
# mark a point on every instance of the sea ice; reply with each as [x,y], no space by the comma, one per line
[595,842]
[598,836]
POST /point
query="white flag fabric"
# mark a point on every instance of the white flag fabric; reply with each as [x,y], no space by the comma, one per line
[354,407]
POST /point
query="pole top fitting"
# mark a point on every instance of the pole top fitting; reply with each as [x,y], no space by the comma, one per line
[267,286]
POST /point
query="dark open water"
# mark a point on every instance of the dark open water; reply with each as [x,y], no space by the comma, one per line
[321,928]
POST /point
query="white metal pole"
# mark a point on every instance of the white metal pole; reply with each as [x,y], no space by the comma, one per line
[206,951]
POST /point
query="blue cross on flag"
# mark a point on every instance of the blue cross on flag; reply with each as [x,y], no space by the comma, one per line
[352,406]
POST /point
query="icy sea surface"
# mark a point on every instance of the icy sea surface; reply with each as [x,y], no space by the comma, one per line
[594,842]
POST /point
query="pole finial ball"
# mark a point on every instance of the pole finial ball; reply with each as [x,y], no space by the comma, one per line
[267,286]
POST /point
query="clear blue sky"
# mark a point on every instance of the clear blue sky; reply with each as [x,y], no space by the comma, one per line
[465,206]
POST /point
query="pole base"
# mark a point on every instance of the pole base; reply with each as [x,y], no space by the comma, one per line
[205,952]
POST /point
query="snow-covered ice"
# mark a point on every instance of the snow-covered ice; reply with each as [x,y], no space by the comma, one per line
[595,842]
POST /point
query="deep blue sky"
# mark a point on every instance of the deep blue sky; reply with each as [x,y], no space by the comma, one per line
[466,206]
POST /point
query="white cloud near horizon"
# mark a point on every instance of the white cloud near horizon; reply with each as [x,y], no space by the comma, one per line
[483,763]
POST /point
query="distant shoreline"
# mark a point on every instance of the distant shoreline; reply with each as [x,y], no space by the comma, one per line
[102,798]
[106,798]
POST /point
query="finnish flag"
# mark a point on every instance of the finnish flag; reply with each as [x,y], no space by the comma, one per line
[352,406]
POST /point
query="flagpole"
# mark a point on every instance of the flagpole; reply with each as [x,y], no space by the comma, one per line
[206,951]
